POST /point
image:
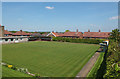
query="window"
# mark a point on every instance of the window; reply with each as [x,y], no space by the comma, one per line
[16,38]
[6,39]
[5,35]
[21,38]
[11,39]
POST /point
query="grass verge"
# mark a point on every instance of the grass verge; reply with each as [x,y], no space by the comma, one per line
[96,66]
[7,72]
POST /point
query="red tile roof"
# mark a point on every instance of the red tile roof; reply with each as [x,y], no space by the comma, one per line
[7,32]
[30,33]
[57,34]
[21,33]
[73,34]
[70,34]
[86,34]
[36,34]
[97,34]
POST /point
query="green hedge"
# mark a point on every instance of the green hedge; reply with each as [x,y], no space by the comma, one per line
[78,40]
[112,59]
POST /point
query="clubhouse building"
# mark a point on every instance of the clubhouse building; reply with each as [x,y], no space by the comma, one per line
[21,36]
[67,34]
[8,37]
[95,35]
[85,35]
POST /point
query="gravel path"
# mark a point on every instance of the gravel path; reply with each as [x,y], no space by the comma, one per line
[85,70]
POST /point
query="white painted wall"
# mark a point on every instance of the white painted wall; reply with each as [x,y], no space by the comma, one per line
[15,40]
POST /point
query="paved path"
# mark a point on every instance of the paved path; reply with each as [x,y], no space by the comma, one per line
[85,70]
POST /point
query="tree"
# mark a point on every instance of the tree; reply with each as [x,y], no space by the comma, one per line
[113,55]
[115,35]
[67,31]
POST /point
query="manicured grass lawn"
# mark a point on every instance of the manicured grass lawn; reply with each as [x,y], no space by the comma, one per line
[52,59]
[7,72]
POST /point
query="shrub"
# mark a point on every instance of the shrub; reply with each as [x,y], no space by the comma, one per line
[14,68]
[78,40]
[37,75]
[112,62]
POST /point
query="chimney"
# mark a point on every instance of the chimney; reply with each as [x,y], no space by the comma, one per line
[77,30]
[88,30]
[20,30]
[1,31]
[53,31]
[99,30]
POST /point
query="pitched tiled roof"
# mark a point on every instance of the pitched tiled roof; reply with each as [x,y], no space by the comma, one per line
[36,34]
[30,33]
[57,34]
[45,34]
[70,34]
[73,34]
[21,33]
[97,34]
[7,32]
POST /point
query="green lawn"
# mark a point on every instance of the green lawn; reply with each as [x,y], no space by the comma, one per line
[7,72]
[52,59]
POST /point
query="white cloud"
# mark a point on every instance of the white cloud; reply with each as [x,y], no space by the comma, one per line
[48,7]
[19,19]
[91,24]
[114,18]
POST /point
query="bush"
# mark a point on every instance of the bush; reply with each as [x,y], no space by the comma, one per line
[14,68]
[112,62]
[37,75]
[78,40]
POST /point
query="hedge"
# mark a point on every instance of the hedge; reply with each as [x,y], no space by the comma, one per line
[112,59]
[78,40]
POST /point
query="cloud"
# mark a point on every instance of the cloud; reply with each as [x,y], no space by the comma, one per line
[93,25]
[19,19]
[114,18]
[48,7]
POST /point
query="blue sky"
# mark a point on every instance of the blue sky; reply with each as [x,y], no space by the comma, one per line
[60,16]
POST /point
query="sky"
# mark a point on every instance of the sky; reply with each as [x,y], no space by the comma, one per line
[60,16]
